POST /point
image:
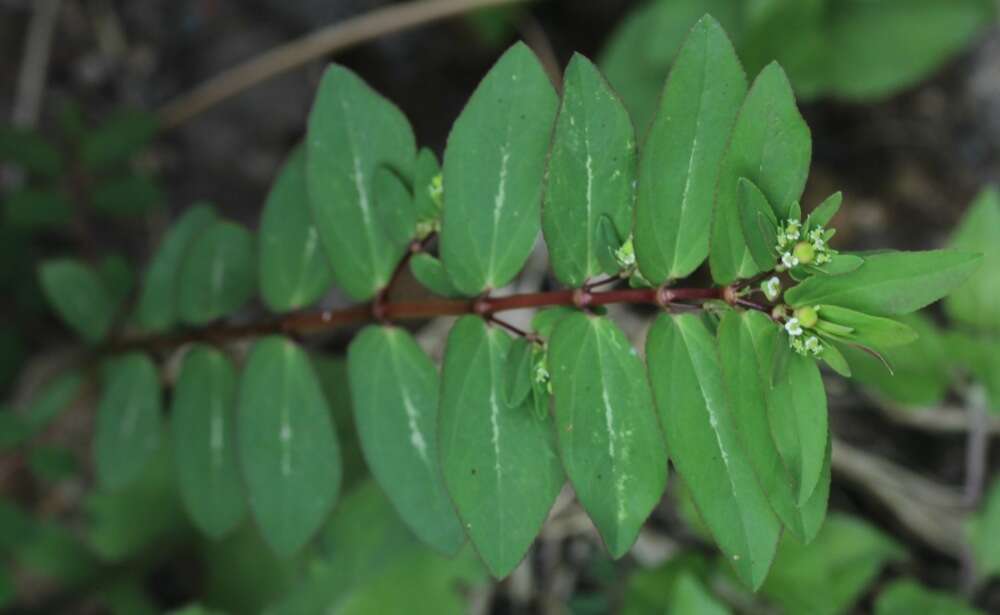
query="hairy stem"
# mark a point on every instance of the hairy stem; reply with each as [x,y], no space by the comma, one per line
[312,322]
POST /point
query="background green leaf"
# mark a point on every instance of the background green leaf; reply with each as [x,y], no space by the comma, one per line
[294,268]
[493,170]
[203,427]
[609,440]
[287,445]
[591,172]
[79,297]
[128,420]
[905,596]
[977,301]
[157,309]
[500,463]
[394,387]
[352,131]
[218,274]
[681,156]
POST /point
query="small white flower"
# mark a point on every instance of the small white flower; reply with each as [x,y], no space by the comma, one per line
[816,233]
[819,245]
[782,239]
[812,345]
[792,229]
[797,345]
[793,327]
[789,260]
[771,288]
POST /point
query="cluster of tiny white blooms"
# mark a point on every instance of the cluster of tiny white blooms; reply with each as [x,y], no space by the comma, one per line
[823,252]
[542,374]
[771,288]
[793,327]
[626,254]
[806,346]
[789,260]
[788,234]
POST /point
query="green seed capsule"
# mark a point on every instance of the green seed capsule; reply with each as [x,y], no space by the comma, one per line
[807,317]
[805,252]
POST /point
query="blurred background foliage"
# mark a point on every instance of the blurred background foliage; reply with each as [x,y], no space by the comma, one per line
[903,97]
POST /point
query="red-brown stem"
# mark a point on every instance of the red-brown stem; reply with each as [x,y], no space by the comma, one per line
[312,322]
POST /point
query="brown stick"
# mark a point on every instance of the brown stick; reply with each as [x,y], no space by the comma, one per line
[335,37]
[304,323]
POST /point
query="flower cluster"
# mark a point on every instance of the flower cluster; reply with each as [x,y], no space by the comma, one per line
[802,246]
[800,337]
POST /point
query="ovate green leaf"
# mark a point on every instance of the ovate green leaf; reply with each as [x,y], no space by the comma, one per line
[429,271]
[591,173]
[294,270]
[758,223]
[157,308]
[287,445]
[691,598]
[770,146]
[906,596]
[79,297]
[829,575]
[869,330]
[218,274]
[609,439]
[493,170]
[745,348]
[128,420]
[977,301]
[680,161]
[704,444]
[889,283]
[29,149]
[121,136]
[34,209]
[203,424]
[519,371]
[353,131]
[394,387]
[799,424]
[500,463]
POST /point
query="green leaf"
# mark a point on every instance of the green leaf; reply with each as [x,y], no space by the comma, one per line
[838,265]
[691,598]
[30,150]
[758,224]
[825,211]
[977,302]
[128,420]
[118,277]
[545,320]
[770,146]
[607,242]
[889,283]
[79,297]
[651,590]
[609,440]
[429,271]
[218,273]
[828,576]
[394,207]
[704,445]
[394,386]
[640,51]
[746,341]
[681,157]
[981,532]
[203,425]
[798,415]
[157,309]
[591,173]
[52,464]
[54,398]
[519,371]
[905,596]
[132,194]
[427,189]
[37,209]
[500,464]
[835,360]
[881,47]
[294,270]
[116,140]
[353,131]
[140,519]
[493,170]
[868,330]
[287,445]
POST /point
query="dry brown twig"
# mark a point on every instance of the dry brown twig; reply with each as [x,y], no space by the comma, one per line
[332,38]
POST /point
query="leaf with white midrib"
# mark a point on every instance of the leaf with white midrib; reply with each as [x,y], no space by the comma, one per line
[394,388]
[606,425]
[499,462]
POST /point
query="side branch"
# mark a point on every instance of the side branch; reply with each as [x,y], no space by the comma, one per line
[313,322]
